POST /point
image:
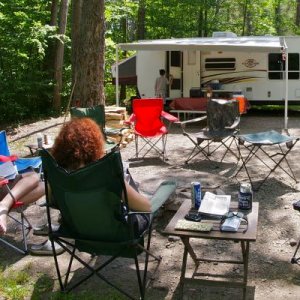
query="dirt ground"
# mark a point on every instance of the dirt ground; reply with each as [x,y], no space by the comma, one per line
[270,276]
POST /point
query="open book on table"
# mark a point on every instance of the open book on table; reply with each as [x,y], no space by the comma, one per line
[214,205]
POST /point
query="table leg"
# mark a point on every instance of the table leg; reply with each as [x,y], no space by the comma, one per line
[183,268]
[190,250]
[245,251]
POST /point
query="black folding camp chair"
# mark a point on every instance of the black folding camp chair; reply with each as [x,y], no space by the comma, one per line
[223,120]
[97,113]
[95,219]
[270,148]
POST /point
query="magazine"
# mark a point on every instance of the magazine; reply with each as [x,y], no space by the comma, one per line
[214,205]
[8,170]
[193,226]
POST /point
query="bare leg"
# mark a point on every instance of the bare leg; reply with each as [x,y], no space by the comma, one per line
[28,189]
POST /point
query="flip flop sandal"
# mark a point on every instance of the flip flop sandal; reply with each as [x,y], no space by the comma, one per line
[45,248]
[43,230]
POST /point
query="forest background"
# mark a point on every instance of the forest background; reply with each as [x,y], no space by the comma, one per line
[44,44]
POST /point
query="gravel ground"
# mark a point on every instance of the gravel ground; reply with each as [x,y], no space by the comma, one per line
[271,275]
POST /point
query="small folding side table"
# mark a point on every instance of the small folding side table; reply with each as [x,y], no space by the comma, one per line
[242,236]
[270,148]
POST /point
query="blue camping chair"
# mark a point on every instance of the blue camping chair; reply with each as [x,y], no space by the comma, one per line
[22,164]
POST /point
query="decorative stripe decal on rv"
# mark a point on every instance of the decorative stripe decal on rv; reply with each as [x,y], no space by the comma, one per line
[236,79]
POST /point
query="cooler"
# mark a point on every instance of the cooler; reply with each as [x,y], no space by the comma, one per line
[243,103]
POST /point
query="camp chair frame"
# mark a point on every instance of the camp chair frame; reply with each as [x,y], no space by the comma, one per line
[131,247]
[160,134]
[18,207]
[205,138]
[256,142]
[294,259]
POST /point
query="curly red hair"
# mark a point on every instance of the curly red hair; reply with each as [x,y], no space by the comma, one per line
[79,142]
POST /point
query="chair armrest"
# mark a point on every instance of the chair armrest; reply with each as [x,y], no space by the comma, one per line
[3,181]
[169,117]
[4,158]
[183,123]
[139,212]
[235,124]
[131,120]
[162,194]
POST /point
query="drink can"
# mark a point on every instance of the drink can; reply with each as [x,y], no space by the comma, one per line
[245,196]
[46,139]
[196,194]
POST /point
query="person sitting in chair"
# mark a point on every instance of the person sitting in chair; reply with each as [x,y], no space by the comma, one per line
[81,142]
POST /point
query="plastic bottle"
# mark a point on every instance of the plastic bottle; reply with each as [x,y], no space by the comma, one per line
[39,140]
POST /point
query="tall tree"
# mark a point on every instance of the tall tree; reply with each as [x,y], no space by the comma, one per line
[298,13]
[141,29]
[89,67]
[75,32]
[59,58]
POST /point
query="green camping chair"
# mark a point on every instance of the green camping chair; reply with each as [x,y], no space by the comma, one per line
[95,219]
[97,113]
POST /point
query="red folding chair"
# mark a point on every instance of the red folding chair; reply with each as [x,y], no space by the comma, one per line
[147,121]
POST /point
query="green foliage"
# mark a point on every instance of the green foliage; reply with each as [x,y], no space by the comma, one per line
[26,73]
[24,83]
[15,286]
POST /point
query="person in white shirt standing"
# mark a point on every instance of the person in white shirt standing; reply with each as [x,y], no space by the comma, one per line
[161,84]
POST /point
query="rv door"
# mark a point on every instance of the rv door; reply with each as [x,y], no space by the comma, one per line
[175,69]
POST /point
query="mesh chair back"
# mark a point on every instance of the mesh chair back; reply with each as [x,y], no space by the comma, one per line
[221,113]
[96,113]
[148,116]
[89,200]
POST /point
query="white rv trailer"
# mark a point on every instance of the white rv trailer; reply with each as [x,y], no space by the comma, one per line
[253,65]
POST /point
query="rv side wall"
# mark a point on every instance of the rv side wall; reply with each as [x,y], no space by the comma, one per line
[147,69]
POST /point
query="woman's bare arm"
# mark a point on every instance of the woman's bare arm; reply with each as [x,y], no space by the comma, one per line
[136,201]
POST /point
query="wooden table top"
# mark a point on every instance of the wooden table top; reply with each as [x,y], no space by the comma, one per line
[215,233]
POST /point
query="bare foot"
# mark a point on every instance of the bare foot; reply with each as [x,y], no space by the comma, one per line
[3,216]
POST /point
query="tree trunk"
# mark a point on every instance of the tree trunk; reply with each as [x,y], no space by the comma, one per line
[277,21]
[141,29]
[48,64]
[76,19]
[245,14]
[124,40]
[298,13]
[59,59]
[54,12]
[89,67]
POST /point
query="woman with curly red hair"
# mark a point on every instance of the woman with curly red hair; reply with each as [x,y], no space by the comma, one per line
[81,142]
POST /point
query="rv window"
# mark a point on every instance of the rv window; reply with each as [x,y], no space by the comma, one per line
[277,66]
[224,63]
[175,58]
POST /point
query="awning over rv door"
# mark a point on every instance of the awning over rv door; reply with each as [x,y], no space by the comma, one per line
[248,44]
[127,71]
